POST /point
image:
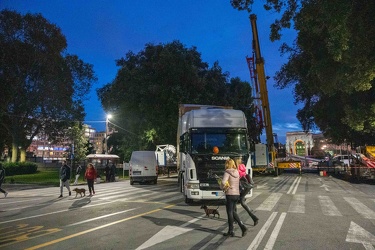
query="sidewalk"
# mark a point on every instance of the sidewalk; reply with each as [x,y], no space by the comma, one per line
[16,187]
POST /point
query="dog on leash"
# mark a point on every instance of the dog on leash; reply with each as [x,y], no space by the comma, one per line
[209,211]
[80,191]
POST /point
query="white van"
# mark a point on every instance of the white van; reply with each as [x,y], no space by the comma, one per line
[143,167]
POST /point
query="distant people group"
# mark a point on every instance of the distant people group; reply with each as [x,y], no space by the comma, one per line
[110,172]
[90,175]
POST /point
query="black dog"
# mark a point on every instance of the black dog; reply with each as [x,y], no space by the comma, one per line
[209,211]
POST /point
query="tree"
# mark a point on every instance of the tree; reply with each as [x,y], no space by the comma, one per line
[331,64]
[149,86]
[42,87]
[78,142]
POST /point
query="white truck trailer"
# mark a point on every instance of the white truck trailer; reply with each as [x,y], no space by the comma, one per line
[207,136]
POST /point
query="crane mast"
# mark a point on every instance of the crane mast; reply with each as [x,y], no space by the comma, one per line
[259,61]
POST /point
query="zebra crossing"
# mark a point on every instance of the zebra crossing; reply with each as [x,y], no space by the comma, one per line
[286,190]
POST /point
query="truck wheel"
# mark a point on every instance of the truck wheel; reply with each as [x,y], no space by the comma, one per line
[187,200]
[131,181]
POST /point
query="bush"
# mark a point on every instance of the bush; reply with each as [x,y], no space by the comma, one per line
[18,168]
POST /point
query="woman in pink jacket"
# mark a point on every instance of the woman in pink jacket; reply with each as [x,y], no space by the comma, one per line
[232,194]
[242,172]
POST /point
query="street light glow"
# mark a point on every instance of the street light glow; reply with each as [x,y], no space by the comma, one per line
[109,116]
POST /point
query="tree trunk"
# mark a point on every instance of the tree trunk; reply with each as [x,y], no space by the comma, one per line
[14,152]
[22,155]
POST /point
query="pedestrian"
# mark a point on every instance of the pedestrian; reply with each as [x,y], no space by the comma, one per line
[232,194]
[2,176]
[107,173]
[245,190]
[78,174]
[113,172]
[90,176]
[64,178]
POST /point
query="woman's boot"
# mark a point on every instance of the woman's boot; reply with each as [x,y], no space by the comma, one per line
[243,229]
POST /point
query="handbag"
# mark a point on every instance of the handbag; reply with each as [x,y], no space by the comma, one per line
[246,183]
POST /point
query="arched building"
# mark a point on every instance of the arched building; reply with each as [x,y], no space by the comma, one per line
[299,143]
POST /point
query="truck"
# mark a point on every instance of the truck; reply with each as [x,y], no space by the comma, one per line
[362,165]
[207,136]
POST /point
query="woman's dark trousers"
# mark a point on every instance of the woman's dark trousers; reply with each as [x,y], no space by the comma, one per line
[231,201]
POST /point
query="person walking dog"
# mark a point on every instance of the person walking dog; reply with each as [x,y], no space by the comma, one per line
[90,176]
[64,178]
[230,185]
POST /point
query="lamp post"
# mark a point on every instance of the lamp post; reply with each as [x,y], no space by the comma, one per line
[109,116]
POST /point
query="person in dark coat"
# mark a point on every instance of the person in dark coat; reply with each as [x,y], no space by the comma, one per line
[113,172]
[64,178]
[107,173]
[2,177]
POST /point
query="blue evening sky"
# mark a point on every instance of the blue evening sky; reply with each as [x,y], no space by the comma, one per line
[102,31]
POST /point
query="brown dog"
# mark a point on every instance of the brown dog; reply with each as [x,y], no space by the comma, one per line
[209,211]
[80,191]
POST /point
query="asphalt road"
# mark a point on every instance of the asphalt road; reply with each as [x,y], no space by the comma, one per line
[295,212]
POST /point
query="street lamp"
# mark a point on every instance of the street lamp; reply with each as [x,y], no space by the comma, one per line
[109,116]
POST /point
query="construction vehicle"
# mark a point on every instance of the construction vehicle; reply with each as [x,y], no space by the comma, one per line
[207,136]
[362,165]
[265,154]
[166,157]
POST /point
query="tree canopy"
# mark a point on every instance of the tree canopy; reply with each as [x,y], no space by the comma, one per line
[149,86]
[42,86]
[331,64]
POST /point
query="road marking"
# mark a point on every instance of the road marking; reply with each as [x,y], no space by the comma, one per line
[328,208]
[23,232]
[275,232]
[56,212]
[325,187]
[100,217]
[360,208]
[357,234]
[298,204]
[270,202]
[94,229]
[294,185]
[168,233]
[258,239]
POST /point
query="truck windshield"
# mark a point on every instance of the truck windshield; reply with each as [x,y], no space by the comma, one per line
[229,142]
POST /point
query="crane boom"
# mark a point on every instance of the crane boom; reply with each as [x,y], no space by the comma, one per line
[262,85]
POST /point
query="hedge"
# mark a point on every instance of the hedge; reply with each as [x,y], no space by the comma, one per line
[17,168]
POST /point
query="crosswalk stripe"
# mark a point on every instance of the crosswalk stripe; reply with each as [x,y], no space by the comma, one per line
[361,208]
[270,202]
[298,204]
[328,207]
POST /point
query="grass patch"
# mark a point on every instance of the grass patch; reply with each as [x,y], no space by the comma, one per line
[48,177]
